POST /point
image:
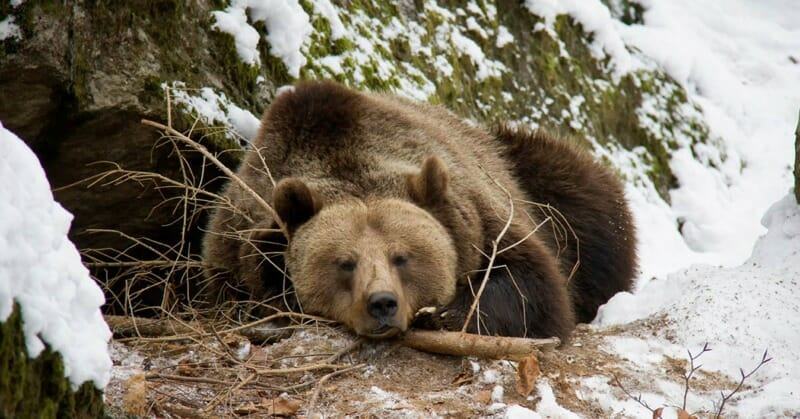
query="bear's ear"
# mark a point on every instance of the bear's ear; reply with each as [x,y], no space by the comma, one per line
[295,202]
[430,185]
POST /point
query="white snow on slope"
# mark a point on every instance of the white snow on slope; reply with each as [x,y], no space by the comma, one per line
[734,57]
[595,17]
[738,61]
[215,109]
[288,27]
[485,68]
[739,311]
[42,271]
[331,14]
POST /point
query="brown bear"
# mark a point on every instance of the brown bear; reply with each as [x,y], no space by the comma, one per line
[392,206]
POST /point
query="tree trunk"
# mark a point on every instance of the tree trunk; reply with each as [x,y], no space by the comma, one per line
[797,160]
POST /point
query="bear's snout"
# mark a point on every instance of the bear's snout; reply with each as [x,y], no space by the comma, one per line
[382,306]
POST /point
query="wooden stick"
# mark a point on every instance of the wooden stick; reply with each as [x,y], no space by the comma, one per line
[468,344]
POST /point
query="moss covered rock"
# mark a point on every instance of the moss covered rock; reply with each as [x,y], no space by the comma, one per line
[37,388]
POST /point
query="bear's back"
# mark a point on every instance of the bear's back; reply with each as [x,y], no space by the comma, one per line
[345,143]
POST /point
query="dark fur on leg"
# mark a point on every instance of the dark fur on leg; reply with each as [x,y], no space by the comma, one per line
[524,297]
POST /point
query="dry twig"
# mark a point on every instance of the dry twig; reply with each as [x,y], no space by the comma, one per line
[495,244]
[725,397]
[173,133]
[692,369]
[637,399]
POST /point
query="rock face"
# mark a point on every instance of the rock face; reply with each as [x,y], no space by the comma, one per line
[79,82]
[81,75]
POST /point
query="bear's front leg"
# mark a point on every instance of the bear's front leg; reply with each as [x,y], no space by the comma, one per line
[525,296]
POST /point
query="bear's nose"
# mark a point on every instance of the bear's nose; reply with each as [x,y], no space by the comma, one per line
[382,305]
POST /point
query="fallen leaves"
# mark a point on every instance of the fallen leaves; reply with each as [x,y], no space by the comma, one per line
[483,396]
[527,373]
[282,407]
[135,400]
[672,412]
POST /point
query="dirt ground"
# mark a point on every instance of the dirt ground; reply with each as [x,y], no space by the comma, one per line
[295,377]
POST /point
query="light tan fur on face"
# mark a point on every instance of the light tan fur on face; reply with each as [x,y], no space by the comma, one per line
[371,234]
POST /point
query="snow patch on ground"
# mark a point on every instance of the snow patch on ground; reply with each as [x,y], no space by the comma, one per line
[42,271]
[504,37]
[331,14]
[485,67]
[739,311]
[547,407]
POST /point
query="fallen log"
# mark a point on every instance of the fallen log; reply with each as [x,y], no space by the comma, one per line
[433,341]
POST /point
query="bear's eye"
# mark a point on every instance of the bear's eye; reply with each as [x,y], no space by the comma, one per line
[347,265]
[399,260]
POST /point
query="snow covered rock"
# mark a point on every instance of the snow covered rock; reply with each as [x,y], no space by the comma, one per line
[53,343]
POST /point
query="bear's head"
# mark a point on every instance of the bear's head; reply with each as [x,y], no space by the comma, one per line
[373,263]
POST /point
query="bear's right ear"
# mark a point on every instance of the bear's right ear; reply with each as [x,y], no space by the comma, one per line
[295,202]
[430,185]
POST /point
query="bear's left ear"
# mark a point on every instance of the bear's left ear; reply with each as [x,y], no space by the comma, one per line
[295,202]
[430,185]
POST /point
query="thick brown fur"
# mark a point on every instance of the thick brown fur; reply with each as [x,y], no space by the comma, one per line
[354,168]
[592,200]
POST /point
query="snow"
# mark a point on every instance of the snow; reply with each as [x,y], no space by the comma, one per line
[547,407]
[9,29]
[736,61]
[215,109]
[749,90]
[288,29]
[740,311]
[595,18]
[474,26]
[504,37]
[497,394]
[233,21]
[742,79]
[41,270]
[486,67]
[329,12]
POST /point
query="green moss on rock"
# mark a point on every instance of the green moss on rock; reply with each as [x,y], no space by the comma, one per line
[37,388]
